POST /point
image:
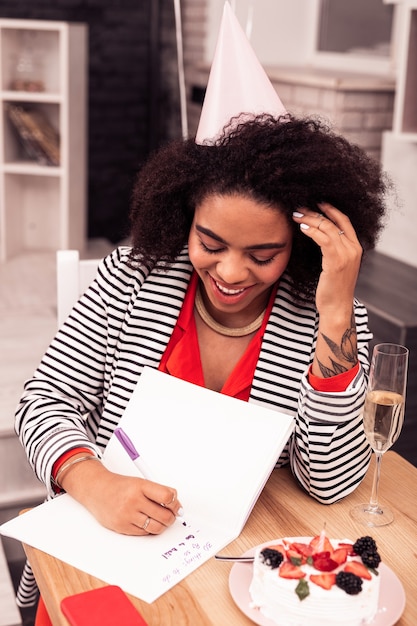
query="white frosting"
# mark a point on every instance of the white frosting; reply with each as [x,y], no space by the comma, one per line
[277,600]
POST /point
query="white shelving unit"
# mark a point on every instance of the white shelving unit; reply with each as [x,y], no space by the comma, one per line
[399,146]
[43,69]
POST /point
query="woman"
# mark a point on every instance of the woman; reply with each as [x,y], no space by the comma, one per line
[241,278]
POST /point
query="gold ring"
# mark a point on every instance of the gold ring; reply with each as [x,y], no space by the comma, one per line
[341,232]
[146,523]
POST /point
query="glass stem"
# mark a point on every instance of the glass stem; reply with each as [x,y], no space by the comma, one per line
[375,483]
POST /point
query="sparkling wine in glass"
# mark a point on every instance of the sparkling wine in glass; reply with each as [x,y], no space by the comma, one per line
[383,417]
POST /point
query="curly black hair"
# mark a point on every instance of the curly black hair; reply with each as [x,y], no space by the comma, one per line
[286,164]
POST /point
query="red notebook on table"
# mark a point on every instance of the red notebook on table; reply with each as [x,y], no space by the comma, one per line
[105,606]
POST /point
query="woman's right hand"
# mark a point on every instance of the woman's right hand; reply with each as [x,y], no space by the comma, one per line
[125,504]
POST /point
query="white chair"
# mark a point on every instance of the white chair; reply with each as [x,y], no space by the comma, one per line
[73,277]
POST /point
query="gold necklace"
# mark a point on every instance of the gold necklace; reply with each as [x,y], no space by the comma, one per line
[219,328]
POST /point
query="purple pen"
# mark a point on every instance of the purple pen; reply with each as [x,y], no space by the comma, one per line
[133,453]
[129,447]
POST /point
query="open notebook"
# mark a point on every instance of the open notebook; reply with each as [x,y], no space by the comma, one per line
[216,451]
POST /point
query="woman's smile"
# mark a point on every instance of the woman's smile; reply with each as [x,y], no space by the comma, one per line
[228,295]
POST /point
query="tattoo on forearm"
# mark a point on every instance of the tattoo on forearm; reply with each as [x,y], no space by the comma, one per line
[346,352]
[336,368]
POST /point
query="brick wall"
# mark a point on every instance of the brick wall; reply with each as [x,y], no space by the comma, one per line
[194,14]
[360,108]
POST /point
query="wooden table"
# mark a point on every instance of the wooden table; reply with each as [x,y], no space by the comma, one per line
[283,509]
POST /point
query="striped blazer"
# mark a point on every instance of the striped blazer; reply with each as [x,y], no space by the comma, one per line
[124,322]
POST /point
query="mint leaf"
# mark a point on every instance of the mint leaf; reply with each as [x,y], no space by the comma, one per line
[302,590]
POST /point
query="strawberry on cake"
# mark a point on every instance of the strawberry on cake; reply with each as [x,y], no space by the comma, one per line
[304,581]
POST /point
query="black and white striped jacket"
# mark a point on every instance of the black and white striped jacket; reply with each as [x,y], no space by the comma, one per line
[124,322]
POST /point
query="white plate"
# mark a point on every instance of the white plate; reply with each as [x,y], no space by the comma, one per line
[391,595]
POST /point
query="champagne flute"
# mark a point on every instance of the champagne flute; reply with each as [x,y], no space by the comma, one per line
[383,417]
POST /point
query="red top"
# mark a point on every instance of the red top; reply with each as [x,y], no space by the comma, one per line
[182,355]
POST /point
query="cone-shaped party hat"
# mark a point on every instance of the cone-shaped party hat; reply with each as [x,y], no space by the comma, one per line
[237,82]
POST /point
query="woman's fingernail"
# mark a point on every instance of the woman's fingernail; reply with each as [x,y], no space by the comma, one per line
[180,512]
[297,214]
[304,226]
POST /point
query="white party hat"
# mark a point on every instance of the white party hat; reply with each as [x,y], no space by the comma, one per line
[237,82]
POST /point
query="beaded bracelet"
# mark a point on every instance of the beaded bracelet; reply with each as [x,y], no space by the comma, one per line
[63,468]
